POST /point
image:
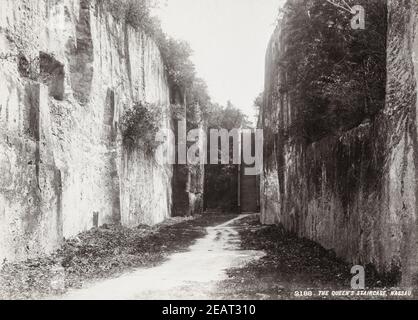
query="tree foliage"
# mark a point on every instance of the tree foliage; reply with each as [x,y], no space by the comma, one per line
[335,75]
[222,180]
[176,54]
[136,13]
[259,101]
[229,117]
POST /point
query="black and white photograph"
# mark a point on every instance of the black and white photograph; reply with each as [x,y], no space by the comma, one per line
[177,151]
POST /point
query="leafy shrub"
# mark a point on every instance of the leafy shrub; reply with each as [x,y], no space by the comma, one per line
[140,124]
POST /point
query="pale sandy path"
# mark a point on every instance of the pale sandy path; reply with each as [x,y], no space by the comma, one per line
[188,275]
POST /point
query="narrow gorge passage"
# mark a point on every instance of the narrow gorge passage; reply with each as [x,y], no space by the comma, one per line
[193,274]
[170,149]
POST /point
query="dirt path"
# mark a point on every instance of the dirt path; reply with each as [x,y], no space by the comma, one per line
[238,259]
[291,268]
[101,254]
[194,274]
[208,257]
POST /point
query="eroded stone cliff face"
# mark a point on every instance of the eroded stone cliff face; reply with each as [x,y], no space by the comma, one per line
[188,180]
[68,71]
[354,192]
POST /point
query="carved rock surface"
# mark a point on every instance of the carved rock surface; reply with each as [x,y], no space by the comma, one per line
[68,70]
[355,193]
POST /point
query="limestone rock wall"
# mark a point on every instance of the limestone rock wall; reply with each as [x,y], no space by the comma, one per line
[188,180]
[67,72]
[354,193]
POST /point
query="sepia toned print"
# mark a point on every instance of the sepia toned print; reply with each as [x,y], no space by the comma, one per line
[209,150]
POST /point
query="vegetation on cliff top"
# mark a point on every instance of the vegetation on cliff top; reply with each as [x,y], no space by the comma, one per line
[175,53]
[336,75]
[141,121]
